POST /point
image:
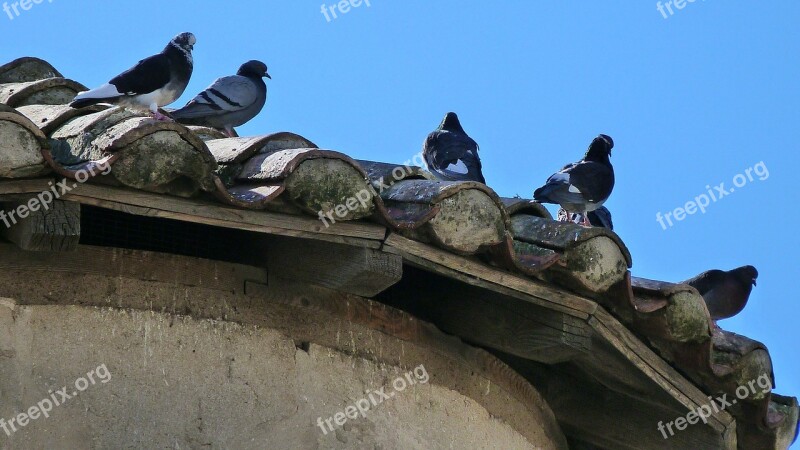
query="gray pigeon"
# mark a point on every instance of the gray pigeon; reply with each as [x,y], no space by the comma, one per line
[725,293]
[230,101]
[153,82]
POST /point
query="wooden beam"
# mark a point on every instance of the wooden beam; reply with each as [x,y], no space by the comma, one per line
[38,226]
[645,360]
[476,273]
[590,412]
[210,213]
[11,189]
[360,271]
[491,320]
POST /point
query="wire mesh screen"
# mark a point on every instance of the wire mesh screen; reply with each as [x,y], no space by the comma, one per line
[109,228]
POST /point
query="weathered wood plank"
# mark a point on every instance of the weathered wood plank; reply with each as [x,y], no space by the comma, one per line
[194,210]
[656,368]
[590,412]
[43,226]
[490,319]
[27,186]
[476,273]
[360,271]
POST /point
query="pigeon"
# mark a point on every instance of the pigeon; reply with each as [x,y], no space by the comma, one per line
[725,293]
[450,154]
[153,82]
[600,217]
[583,186]
[230,101]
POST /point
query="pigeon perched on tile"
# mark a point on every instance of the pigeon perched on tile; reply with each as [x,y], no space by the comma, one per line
[450,154]
[725,293]
[153,82]
[600,217]
[583,186]
[230,101]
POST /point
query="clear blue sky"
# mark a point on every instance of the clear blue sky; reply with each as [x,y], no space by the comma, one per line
[691,100]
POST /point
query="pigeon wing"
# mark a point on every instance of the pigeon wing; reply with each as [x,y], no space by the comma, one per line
[593,181]
[706,281]
[453,156]
[148,75]
[225,95]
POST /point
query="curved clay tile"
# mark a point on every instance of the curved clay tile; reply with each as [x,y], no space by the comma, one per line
[206,133]
[593,260]
[21,145]
[50,91]
[232,153]
[470,217]
[380,172]
[523,206]
[49,117]
[27,69]
[145,153]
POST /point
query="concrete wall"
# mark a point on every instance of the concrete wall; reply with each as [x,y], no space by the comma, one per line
[163,380]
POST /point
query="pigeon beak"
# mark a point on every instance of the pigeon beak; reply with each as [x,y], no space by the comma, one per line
[754,282]
[267,75]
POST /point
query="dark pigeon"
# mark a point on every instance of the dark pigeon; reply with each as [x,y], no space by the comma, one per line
[725,293]
[230,101]
[600,217]
[583,186]
[153,82]
[450,154]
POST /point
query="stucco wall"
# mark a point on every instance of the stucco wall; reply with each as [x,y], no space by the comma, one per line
[184,383]
[258,379]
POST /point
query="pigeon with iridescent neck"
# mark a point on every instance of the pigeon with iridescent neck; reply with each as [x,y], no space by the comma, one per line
[153,82]
[230,101]
[583,186]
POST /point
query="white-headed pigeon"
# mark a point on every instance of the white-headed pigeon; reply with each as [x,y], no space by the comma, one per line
[583,186]
[450,154]
[600,217]
[153,82]
[725,293]
[230,101]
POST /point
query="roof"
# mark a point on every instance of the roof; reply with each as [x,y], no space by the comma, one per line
[284,184]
